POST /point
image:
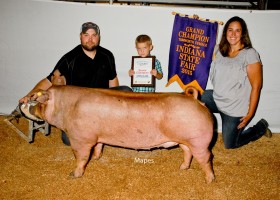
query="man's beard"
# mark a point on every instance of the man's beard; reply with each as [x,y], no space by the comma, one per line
[87,48]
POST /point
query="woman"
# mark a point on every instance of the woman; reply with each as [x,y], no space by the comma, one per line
[236,75]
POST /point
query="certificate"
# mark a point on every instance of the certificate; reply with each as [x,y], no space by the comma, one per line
[142,68]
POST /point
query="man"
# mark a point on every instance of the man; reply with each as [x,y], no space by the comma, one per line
[87,65]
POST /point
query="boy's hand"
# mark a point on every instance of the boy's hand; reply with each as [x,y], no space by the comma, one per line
[154,72]
[131,72]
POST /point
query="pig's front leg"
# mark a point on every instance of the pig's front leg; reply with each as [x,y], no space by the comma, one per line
[82,153]
[187,157]
[97,151]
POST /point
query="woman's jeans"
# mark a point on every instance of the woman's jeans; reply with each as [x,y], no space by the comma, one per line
[233,137]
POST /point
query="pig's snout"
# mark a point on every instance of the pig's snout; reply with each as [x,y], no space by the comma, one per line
[30,110]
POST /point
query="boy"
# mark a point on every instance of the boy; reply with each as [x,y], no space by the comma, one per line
[144,46]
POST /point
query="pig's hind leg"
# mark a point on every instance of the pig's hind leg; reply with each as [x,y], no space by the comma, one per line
[204,158]
[82,154]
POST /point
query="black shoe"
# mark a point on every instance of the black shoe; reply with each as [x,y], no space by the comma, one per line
[264,122]
[65,139]
[263,128]
[268,133]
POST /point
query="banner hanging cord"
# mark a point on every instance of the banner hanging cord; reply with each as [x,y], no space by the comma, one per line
[198,18]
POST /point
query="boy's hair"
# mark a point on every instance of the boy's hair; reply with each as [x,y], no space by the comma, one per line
[142,39]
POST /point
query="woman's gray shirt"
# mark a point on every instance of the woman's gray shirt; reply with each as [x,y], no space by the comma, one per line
[230,81]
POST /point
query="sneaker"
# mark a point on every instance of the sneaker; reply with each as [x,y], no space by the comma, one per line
[264,123]
[25,111]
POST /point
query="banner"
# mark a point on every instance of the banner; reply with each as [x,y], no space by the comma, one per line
[191,51]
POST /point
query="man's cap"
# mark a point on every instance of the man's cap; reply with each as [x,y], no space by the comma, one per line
[89,25]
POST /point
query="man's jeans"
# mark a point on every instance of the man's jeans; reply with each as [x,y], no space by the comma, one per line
[233,137]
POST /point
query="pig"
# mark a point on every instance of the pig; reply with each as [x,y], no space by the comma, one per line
[92,117]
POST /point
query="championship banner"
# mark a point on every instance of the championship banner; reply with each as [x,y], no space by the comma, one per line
[191,51]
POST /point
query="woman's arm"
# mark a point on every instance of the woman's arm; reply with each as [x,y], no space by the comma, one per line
[255,76]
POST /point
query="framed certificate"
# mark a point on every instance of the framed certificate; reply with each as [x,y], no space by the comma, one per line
[142,68]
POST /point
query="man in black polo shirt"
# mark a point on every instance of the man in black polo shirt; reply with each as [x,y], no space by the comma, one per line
[87,65]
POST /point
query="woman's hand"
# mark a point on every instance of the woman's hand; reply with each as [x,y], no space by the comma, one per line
[244,121]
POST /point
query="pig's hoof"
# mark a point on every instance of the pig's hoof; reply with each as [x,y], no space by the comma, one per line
[25,111]
[96,157]
[210,178]
[184,166]
[72,175]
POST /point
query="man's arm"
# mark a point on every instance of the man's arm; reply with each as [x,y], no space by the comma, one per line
[114,82]
[44,84]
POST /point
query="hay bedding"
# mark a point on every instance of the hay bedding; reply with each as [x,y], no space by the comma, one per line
[40,171]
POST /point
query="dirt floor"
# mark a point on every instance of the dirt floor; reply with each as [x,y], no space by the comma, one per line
[40,170]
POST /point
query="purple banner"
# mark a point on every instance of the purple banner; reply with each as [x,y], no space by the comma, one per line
[191,51]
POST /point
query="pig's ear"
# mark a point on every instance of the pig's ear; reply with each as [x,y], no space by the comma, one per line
[58,80]
[42,96]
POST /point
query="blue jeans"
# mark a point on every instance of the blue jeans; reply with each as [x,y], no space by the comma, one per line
[232,136]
